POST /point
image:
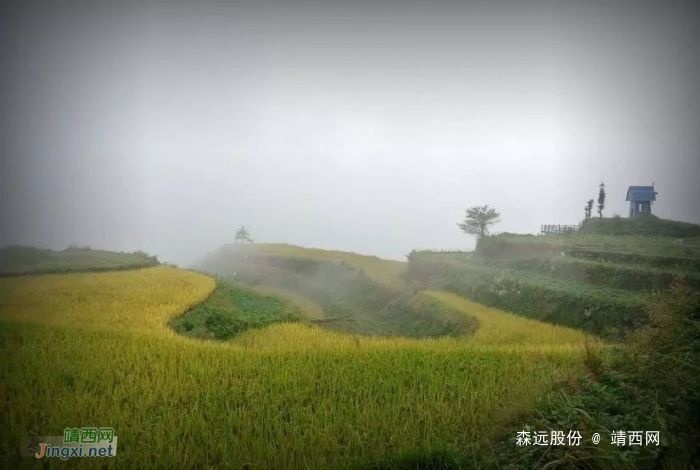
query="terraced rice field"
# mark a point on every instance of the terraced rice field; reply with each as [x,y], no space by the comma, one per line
[95,349]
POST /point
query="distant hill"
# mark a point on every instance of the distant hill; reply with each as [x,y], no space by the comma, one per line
[23,260]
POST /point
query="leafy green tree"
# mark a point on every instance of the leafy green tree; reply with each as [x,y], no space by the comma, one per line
[601,199]
[589,208]
[478,219]
[243,235]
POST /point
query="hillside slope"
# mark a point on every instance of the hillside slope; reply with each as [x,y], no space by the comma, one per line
[385,272]
[357,294]
[23,260]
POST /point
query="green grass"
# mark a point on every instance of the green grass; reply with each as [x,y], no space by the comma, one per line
[647,225]
[650,384]
[692,242]
[596,282]
[633,277]
[20,260]
[512,245]
[310,309]
[645,260]
[231,310]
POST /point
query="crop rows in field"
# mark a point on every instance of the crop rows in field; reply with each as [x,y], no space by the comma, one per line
[643,260]
[513,285]
[511,245]
[105,300]
[628,277]
[574,280]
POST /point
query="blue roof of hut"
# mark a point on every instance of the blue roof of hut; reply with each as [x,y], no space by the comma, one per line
[641,193]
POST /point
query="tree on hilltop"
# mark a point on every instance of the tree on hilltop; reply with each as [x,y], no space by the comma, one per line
[589,208]
[601,199]
[478,219]
[243,236]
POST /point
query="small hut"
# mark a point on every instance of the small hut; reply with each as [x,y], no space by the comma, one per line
[640,198]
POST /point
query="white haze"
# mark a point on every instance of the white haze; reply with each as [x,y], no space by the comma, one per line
[164,127]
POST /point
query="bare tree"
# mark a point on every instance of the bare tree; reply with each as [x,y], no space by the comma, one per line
[243,236]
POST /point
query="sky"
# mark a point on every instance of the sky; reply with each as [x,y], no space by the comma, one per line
[360,126]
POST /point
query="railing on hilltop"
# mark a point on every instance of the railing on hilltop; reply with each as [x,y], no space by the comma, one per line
[551,229]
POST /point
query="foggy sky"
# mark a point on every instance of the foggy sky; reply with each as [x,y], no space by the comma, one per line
[362,126]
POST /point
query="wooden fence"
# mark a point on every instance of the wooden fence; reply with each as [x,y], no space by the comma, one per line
[559,229]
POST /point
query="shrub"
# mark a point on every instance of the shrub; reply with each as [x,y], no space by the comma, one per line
[224,326]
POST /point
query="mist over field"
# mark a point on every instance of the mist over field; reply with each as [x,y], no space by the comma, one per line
[361,126]
[350,234]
